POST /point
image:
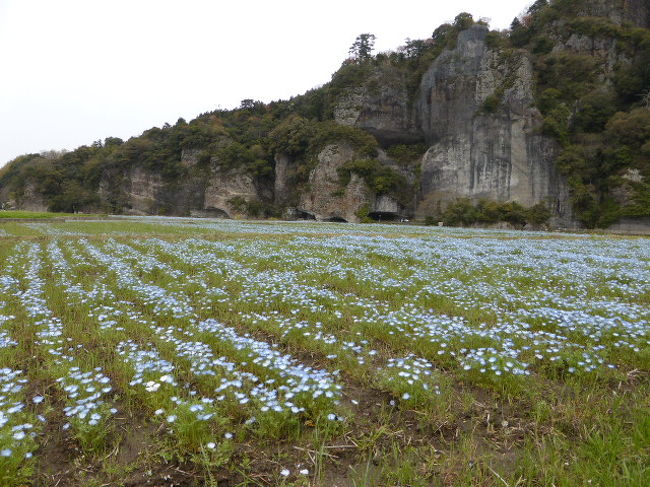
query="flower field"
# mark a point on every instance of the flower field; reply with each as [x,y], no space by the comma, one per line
[151,351]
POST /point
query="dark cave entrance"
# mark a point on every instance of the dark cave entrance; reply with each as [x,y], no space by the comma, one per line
[303,215]
[384,216]
[336,219]
[215,213]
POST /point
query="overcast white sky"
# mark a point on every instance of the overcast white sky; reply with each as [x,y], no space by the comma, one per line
[75,71]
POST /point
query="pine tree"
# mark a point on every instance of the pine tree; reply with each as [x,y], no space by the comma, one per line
[363,46]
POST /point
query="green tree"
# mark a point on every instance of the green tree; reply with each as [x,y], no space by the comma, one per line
[463,21]
[414,48]
[537,6]
[440,34]
[363,46]
[460,212]
[112,142]
[538,214]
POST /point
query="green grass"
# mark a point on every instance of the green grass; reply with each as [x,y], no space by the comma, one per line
[42,214]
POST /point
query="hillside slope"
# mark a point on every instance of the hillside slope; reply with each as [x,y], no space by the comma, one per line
[550,120]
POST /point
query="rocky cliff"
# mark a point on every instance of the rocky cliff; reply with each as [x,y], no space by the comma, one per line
[499,156]
[635,12]
[209,191]
[471,153]
[532,117]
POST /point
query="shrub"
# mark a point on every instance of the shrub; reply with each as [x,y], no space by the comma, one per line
[380,178]
[463,21]
[556,124]
[513,213]
[363,214]
[496,40]
[463,212]
[406,153]
[571,74]
[640,201]
[460,212]
[492,102]
[329,132]
[538,214]
[632,129]
[488,211]
[542,45]
[292,136]
[594,111]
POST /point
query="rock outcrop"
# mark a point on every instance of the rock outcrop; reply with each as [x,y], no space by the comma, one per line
[30,200]
[326,200]
[635,12]
[226,190]
[205,192]
[143,191]
[381,106]
[282,189]
[495,154]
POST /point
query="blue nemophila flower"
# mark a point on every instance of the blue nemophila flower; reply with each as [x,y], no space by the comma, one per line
[561,321]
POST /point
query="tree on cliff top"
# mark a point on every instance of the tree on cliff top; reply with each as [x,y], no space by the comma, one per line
[463,21]
[363,46]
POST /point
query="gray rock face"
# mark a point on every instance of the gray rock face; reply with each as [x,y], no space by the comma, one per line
[199,193]
[497,156]
[386,204]
[635,12]
[326,200]
[604,50]
[380,106]
[31,200]
[143,190]
[281,189]
[223,187]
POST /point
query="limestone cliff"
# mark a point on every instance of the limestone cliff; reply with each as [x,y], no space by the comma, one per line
[635,12]
[381,106]
[326,200]
[213,191]
[498,156]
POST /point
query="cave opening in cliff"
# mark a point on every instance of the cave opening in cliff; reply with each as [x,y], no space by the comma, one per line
[336,219]
[304,215]
[384,216]
[212,212]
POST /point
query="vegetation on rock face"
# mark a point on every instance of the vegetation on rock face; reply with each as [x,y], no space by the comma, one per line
[590,106]
[380,178]
[406,153]
[595,103]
